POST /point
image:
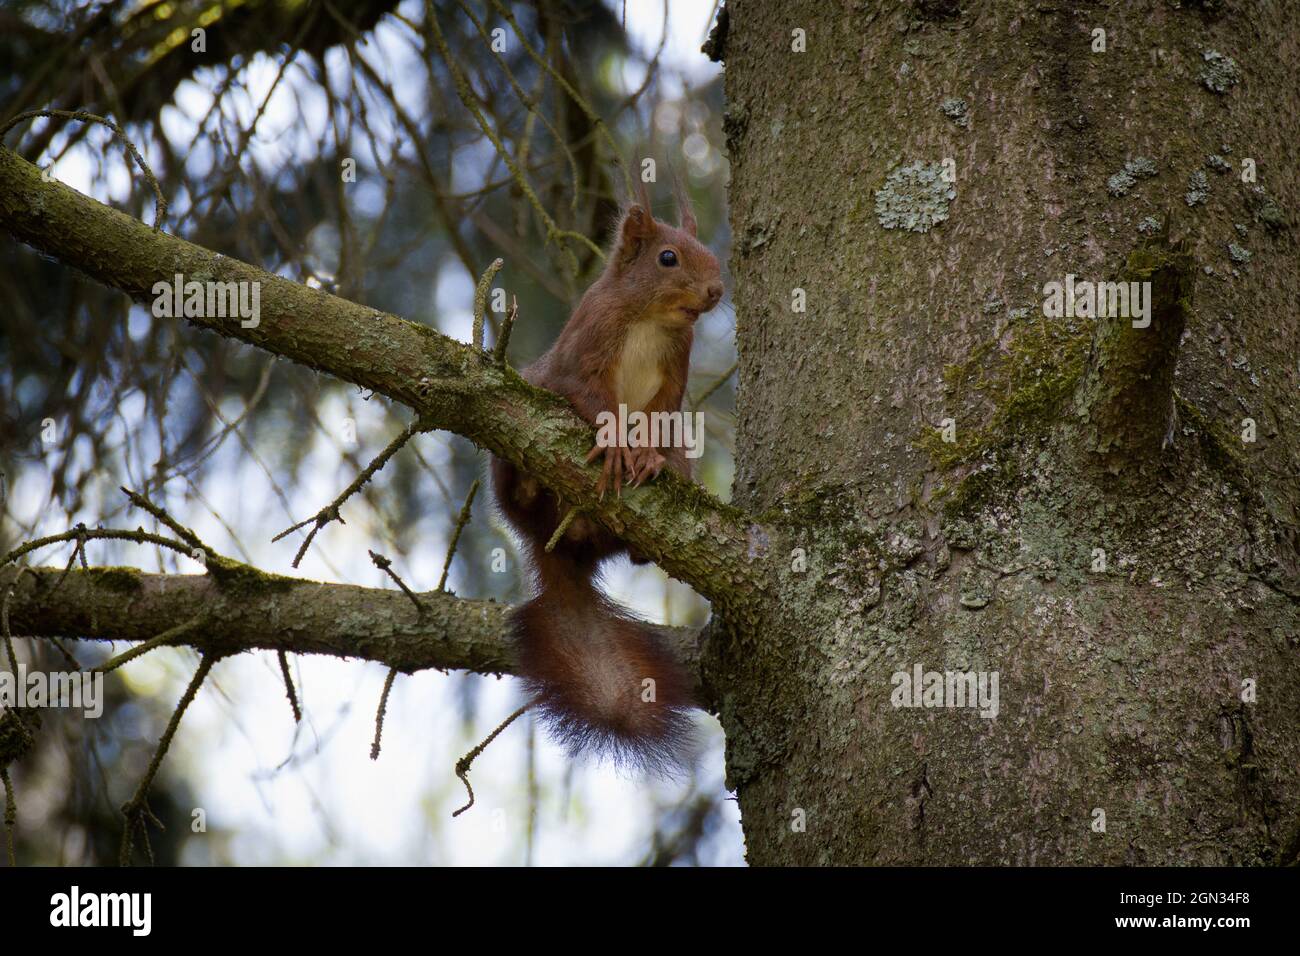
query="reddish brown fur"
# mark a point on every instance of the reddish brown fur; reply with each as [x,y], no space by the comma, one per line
[582,657]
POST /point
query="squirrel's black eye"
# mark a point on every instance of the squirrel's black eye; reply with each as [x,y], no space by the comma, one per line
[668,258]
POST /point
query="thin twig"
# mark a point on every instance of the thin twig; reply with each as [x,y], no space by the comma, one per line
[182,532]
[67,654]
[499,353]
[331,511]
[169,636]
[78,550]
[383,709]
[708,392]
[288,686]
[160,204]
[562,527]
[137,809]
[4,618]
[461,521]
[383,564]
[108,534]
[480,301]
[462,765]
[11,815]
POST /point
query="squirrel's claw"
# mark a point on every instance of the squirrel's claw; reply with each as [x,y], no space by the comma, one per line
[649,466]
[613,466]
[621,464]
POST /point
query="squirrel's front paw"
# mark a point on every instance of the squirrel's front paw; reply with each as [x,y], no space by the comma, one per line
[646,463]
[617,462]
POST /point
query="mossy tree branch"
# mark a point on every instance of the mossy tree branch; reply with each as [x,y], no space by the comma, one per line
[257,611]
[688,532]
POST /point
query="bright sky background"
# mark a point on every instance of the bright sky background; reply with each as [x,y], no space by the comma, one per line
[311,794]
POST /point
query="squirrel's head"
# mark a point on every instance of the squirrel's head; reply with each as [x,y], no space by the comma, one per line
[664,267]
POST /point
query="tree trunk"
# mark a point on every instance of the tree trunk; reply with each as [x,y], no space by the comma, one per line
[1100,533]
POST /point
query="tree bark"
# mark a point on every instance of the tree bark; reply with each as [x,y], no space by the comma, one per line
[1121,674]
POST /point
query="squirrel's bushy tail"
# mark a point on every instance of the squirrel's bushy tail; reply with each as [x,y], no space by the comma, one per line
[601,681]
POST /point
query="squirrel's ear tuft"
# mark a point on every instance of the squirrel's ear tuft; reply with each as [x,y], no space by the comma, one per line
[637,223]
[636,226]
[685,214]
[687,218]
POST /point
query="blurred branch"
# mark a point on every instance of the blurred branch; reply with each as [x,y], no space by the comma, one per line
[579,100]
[465,92]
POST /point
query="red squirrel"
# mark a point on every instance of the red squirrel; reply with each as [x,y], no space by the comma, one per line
[586,661]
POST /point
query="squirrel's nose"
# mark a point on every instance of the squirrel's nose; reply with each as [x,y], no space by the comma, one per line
[713,292]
